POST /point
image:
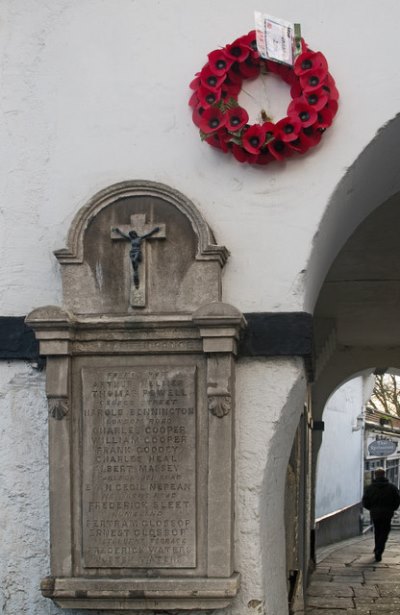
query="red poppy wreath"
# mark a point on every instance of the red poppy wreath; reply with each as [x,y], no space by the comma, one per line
[223,123]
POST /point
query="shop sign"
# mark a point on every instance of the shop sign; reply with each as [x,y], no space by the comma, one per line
[382,447]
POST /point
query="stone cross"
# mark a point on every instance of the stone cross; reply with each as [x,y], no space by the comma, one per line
[138,295]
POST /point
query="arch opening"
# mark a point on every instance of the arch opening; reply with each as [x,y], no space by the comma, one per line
[370,181]
[356,332]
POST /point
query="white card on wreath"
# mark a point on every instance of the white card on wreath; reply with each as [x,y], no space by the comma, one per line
[275,38]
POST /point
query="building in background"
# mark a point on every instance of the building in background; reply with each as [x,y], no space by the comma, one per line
[382,450]
[340,467]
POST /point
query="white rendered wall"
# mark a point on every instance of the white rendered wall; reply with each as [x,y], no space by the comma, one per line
[94,92]
[339,480]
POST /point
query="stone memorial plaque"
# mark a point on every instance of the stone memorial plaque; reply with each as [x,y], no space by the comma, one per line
[140,381]
[139,467]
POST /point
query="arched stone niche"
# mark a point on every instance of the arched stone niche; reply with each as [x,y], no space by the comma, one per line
[141,391]
[181,263]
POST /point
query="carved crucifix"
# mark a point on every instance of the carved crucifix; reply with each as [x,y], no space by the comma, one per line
[138,232]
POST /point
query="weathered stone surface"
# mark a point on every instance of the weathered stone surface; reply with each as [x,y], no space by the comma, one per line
[366,591]
[378,593]
[179,273]
[329,589]
[141,394]
[139,474]
[354,580]
[389,589]
[326,602]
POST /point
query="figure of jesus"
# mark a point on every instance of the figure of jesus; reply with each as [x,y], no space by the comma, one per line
[135,253]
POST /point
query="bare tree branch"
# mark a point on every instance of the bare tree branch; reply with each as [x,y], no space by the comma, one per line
[386,394]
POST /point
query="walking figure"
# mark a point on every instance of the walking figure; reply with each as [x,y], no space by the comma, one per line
[381,498]
[135,253]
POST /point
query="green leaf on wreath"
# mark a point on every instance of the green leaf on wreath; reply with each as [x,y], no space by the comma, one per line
[205,135]
[236,134]
[236,140]
[231,103]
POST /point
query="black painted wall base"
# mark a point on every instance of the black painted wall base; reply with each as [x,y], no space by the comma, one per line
[268,334]
[17,340]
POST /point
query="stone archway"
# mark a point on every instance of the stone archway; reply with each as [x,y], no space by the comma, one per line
[356,315]
[371,180]
[352,283]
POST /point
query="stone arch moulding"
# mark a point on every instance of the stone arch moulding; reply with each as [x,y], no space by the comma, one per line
[370,181]
[346,364]
[176,268]
[207,247]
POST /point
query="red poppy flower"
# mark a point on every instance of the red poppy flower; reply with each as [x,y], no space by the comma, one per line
[279,149]
[208,97]
[240,154]
[295,90]
[310,60]
[312,135]
[232,85]
[211,120]
[324,118]
[196,115]
[330,87]
[284,72]
[210,80]
[264,157]
[253,139]
[303,112]
[195,83]
[250,68]
[236,118]
[301,144]
[234,75]
[333,106]
[288,75]
[238,50]
[287,129]
[312,80]
[219,140]
[270,131]
[193,100]
[230,91]
[251,40]
[272,67]
[317,100]
[219,62]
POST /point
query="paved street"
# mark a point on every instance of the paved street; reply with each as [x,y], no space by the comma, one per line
[348,581]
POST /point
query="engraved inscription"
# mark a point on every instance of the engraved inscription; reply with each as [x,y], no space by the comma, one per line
[139,467]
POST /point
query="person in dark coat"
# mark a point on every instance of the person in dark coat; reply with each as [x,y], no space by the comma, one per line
[381,498]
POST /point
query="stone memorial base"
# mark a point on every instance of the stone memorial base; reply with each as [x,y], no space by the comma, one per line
[141,593]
